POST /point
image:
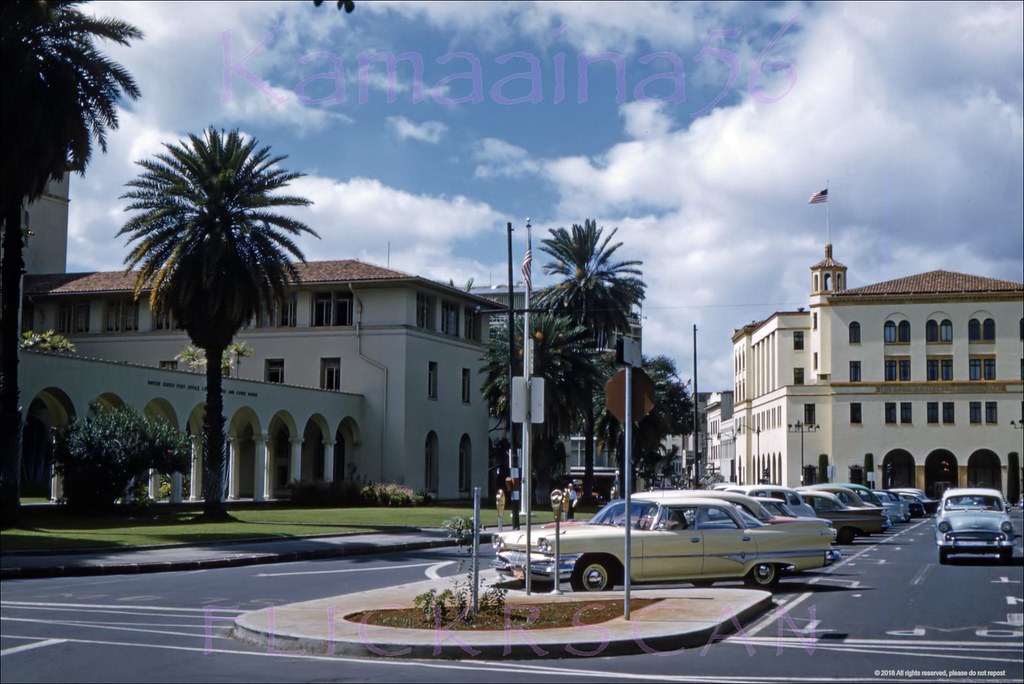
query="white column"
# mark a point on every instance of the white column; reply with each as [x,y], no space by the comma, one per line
[328,461]
[259,491]
[56,486]
[196,484]
[268,467]
[154,484]
[233,467]
[296,462]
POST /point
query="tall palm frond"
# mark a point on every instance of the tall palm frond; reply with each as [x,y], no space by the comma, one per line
[58,93]
[213,252]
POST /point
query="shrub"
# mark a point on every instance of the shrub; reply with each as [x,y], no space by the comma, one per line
[101,455]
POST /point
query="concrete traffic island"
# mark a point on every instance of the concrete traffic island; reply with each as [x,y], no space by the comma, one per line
[682,618]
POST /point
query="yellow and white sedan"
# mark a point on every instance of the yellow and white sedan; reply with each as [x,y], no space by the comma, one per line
[673,538]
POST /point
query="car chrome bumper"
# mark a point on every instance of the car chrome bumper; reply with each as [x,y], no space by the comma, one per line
[511,564]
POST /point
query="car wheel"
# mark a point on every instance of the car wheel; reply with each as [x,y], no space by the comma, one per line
[593,574]
[1006,556]
[763,575]
[846,535]
[943,556]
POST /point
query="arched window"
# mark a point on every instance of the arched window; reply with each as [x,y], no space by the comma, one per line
[855,332]
[931,331]
[946,330]
[988,330]
[889,331]
[828,280]
[973,330]
[904,331]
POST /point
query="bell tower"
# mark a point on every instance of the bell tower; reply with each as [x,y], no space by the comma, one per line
[828,276]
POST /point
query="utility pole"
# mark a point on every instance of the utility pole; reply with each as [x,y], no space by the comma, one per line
[696,422]
[510,436]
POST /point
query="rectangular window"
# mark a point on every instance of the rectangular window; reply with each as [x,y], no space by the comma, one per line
[814,363]
[948,413]
[472,324]
[287,312]
[162,321]
[73,318]
[946,369]
[991,412]
[814,321]
[890,370]
[855,371]
[904,369]
[273,370]
[974,412]
[432,379]
[330,374]
[988,369]
[855,413]
[809,418]
[974,369]
[450,318]
[890,413]
[906,412]
[424,312]
[129,315]
[332,309]
[798,376]
[932,369]
[466,386]
[933,412]
[798,340]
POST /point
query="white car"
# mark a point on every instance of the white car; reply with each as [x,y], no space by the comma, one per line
[973,521]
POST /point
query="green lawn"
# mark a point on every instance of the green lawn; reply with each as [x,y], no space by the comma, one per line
[57,530]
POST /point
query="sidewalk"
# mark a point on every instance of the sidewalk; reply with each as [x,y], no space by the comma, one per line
[684,618]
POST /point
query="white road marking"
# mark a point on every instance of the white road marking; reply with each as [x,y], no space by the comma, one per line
[432,571]
[29,647]
[345,570]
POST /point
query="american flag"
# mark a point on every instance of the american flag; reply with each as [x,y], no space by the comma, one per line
[527,264]
[819,197]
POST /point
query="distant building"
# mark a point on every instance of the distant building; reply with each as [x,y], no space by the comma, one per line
[721,438]
[925,373]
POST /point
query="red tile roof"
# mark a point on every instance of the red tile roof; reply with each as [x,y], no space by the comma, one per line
[935,282]
[345,270]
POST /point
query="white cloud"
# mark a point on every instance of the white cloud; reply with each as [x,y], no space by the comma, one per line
[428,131]
[498,158]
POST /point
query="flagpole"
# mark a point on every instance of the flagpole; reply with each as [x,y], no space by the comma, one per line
[527,475]
[828,222]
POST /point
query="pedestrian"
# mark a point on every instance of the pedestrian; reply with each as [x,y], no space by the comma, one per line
[571,491]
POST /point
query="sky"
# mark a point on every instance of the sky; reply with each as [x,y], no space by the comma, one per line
[696,131]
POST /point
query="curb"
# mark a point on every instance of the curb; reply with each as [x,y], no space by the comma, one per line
[85,570]
[685,618]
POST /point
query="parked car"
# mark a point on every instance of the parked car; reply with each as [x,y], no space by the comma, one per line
[781,508]
[930,505]
[913,501]
[849,496]
[973,521]
[896,508]
[673,538]
[791,496]
[849,522]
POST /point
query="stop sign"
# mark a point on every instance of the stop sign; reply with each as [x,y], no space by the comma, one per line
[643,394]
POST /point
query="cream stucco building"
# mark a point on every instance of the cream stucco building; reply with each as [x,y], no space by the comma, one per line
[363,373]
[925,373]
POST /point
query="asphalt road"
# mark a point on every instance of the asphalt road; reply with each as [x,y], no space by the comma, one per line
[887,612]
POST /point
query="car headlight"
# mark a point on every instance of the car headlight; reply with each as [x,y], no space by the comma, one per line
[1006,527]
[944,526]
[497,543]
[544,545]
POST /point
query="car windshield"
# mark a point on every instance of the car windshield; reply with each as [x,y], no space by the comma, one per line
[778,508]
[973,502]
[614,514]
[748,520]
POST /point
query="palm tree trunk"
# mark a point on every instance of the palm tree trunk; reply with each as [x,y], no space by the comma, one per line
[10,408]
[213,440]
[588,448]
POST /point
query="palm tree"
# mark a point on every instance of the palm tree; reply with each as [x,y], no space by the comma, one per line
[57,94]
[596,292]
[213,254]
[563,357]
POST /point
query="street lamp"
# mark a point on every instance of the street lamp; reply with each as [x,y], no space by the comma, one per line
[798,426]
[745,427]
